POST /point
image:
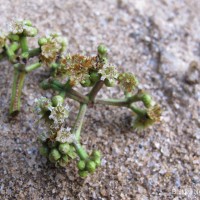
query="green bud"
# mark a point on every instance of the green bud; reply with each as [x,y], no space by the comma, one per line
[97,161]
[30,32]
[63,161]
[109,83]
[91,166]
[72,154]
[86,83]
[64,148]
[83,174]
[81,164]
[27,23]
[96,154]
[54,155]
[94,77]
[57,100]
[42,41]
[102,50]
[147,100]
[44,150]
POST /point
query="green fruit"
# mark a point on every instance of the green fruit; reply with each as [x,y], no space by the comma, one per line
[27,22]
[91,166]
[96,154]
[109,83]
[57,100]
[63,161]
[83,174]
[147,100]
[64,148]
[81,165]
[94,77]
[97,161]
[54,155]
[102,50]
[44,150]
[42,41]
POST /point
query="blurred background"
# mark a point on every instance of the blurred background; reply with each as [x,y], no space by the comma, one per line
[157,40]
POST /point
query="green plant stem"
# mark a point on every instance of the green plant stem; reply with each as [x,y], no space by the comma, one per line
[23,44]
[81,151]
[95,90]
[79,121]
[14,46]
[82,98]
[33,67]
[119,102]
[77,131]
[34,52]
[18,82]
[138,111]
[112,102]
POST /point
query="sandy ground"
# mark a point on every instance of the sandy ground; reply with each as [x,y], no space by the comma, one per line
[158,41]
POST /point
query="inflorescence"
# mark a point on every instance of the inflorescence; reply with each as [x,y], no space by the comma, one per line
[60,143]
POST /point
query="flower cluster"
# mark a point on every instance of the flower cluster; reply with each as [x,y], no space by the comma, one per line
[57,152]
[127,81]
[51,47]
[22,27]
[89,166]
[109,74]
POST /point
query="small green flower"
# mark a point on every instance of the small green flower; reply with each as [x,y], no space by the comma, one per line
[59,114]
[109,73]
[64,135]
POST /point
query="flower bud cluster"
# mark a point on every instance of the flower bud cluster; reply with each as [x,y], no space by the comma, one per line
[58,153]
[22,27]
[51,47]
[90,165]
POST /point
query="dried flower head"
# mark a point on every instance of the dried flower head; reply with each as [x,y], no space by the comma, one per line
[127,81]
[152,116]
[59,114]
[154,112]
[78,66]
